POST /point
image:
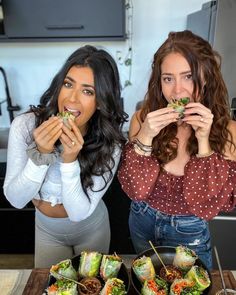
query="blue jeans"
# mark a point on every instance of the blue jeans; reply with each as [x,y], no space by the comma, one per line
[146,224]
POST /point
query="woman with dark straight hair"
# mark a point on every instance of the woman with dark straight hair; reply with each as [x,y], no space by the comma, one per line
[63,154]
[179,167]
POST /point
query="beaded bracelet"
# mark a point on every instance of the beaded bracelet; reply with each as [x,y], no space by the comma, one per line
[205,155]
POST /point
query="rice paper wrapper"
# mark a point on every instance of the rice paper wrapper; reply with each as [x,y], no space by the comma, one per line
[110,266]
[62,287]
[89,264]
[155,287]
[64,268]
[114,286]
[200,276]
[183,286]
[143,268]
[65,116]
[184,258]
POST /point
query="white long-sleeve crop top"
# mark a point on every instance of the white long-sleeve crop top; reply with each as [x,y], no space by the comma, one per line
[58,183]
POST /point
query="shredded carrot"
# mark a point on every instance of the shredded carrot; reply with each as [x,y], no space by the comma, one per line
[52,288]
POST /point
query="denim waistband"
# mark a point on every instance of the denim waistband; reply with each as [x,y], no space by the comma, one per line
[171,217]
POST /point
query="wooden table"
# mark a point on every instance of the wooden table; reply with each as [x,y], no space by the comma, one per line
[38,280]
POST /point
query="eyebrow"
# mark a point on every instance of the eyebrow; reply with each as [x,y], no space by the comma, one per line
[182,73]
[85,85]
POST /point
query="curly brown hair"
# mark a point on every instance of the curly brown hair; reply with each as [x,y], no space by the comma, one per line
[203,61]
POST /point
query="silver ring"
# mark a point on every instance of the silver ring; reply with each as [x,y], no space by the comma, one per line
[202,120]
[73,143]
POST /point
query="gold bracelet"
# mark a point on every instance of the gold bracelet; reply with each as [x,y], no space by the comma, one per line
[205,155]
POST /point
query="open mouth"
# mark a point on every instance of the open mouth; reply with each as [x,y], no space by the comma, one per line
[75,113]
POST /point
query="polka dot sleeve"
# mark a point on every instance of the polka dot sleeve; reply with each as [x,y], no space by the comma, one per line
[137,173]
[210,185]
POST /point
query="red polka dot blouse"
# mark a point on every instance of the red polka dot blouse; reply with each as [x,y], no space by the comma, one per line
[207,187]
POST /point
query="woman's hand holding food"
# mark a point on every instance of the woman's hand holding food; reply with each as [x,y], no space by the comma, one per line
[154,122]
[200,118]
[47,134]
[72,141]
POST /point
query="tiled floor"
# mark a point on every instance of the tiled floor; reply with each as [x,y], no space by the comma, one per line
[16,261]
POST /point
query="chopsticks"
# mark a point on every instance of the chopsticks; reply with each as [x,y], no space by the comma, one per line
[167,272]
[220,270]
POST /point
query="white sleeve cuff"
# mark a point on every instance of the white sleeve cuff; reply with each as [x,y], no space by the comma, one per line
[70,169]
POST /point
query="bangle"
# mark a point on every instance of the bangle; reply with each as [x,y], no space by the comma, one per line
[143,147]
[205,155]
[141,151]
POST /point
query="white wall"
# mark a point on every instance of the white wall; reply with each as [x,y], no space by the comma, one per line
[31,66]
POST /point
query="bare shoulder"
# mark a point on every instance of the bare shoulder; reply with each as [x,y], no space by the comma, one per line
[135,124]
[230,151]
[232,128]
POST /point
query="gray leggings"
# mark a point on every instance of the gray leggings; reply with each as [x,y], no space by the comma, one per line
[57,239]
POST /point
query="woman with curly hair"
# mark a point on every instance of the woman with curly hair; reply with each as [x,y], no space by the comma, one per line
[62,156]
[179,167]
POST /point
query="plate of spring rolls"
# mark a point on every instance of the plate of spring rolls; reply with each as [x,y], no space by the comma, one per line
[97,274]
[184,272]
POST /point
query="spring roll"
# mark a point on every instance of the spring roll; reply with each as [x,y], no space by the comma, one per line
[110,266]
[89,264]
[114,286]
[155,287]
[65,116]
[179,105]
[200,276]
[64,268]
[184,258]
[143,268]
[183,286]
[62,287]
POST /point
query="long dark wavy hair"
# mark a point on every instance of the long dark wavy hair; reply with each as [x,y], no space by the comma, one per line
[203,60]
[105,127]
